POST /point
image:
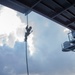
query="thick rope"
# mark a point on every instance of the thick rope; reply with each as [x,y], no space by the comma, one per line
[27,20]
[27,67]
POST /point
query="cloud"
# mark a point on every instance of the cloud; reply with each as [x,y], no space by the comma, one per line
[20,32]
[31,45]
[44,62]
[48,57]
[11,40]
[13,28]
[9,23]
[66,30]
[12,60]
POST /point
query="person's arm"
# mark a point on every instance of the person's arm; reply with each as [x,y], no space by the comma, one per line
[27,27]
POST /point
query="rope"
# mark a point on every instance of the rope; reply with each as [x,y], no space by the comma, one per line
[27,68]
[27,20]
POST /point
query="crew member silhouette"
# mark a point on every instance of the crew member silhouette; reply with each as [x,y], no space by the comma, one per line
[28,31]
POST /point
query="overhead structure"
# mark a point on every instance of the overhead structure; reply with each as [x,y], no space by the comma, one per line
[69,45]
[60,11]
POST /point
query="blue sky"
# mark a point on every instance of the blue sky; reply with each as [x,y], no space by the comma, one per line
[44,46]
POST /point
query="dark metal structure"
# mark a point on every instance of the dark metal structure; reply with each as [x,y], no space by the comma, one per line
[60,11]
[69,45]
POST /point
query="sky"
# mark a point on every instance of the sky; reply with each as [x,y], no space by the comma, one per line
[45,54]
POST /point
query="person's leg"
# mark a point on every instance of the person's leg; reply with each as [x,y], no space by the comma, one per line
[25,36]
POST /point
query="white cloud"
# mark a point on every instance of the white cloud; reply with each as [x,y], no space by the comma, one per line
[20,32]
[66,30]
[9,23]
[3,38]
[31,45]
[12,29]
[11,40]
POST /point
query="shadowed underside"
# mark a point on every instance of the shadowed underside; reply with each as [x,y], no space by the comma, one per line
[60,11]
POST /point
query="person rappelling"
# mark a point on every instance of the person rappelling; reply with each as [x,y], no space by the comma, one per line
[28,31]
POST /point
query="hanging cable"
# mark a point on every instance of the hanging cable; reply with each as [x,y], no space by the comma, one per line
[27,20]
[27,67]
[27,33]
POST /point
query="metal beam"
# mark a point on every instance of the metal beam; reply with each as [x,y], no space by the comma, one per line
[57,3]
[68,1]
[28,11]
[14,5]
[72,27]
[73,1]
[62,11]
[65,16]
[70,22]
[48,6]
[47,16]
[70,13]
